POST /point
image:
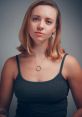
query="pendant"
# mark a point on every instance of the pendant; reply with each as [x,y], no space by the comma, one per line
[38,68]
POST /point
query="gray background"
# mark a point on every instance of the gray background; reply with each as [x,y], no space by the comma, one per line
[11,16]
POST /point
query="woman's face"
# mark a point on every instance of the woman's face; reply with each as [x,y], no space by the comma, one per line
[42,23]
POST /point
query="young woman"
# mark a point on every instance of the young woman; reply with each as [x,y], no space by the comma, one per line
[41,75]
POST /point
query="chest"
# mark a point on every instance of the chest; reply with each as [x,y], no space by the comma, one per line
[36,92]
[40,86]
[46,70]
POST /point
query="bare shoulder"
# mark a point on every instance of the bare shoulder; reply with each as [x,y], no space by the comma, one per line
[10,62]
[10,66]
[73,67]
[72,62]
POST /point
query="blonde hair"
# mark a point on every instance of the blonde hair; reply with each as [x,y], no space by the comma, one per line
[53,50]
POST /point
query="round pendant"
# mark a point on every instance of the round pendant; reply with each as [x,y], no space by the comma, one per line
[38,68]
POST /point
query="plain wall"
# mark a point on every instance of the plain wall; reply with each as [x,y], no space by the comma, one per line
[11,16]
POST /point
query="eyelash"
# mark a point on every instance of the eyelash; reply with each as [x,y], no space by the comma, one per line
[34,19]
[49,22]
[37,19]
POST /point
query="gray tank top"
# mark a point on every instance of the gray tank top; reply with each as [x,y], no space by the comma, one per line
[41,99]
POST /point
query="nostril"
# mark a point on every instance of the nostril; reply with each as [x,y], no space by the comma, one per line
[40,28]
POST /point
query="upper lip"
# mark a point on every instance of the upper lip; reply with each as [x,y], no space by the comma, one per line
[39,32]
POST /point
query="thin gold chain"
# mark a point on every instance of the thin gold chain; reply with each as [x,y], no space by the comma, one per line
[39,66]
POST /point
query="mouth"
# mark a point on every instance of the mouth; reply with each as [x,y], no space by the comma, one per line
[39,33]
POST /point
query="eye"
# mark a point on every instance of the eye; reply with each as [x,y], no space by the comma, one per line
[49,22]
[35,18]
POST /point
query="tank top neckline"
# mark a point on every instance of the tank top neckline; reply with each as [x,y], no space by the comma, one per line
[42,82]
[19,75]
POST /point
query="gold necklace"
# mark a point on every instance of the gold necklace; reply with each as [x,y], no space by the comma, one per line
[38,67]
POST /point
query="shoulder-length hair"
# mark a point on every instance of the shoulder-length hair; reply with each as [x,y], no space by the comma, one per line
[54,49]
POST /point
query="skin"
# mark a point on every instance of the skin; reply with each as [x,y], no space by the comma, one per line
[43,22]
[71,70]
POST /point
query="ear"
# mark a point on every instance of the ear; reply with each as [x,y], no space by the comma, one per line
[54,30]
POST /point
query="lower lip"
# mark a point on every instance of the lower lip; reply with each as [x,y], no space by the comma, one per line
[39,34]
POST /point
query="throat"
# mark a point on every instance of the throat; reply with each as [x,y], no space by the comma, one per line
[38,68]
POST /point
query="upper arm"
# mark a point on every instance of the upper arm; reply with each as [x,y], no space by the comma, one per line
[75,79]
[7,84]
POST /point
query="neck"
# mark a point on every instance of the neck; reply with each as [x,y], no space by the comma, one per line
[39,50]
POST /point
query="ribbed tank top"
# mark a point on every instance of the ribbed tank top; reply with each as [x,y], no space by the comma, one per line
[41,99]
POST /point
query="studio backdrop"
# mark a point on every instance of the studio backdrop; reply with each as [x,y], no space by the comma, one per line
[11,16]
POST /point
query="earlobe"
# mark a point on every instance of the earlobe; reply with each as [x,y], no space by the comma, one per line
[54,31]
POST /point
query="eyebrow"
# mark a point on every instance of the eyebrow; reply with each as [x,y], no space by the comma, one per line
[46,17]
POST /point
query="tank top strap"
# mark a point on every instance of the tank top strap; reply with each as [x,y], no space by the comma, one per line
[62,63]
[18,65]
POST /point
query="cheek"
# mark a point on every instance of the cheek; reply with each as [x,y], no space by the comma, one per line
[52,28]
[31,28]
[49,30]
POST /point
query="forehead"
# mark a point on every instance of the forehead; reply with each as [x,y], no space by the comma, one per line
[45,11]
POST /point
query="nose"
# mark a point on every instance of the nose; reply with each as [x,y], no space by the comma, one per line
[40,25]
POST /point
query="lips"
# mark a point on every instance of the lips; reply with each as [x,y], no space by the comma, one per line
[39,33]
